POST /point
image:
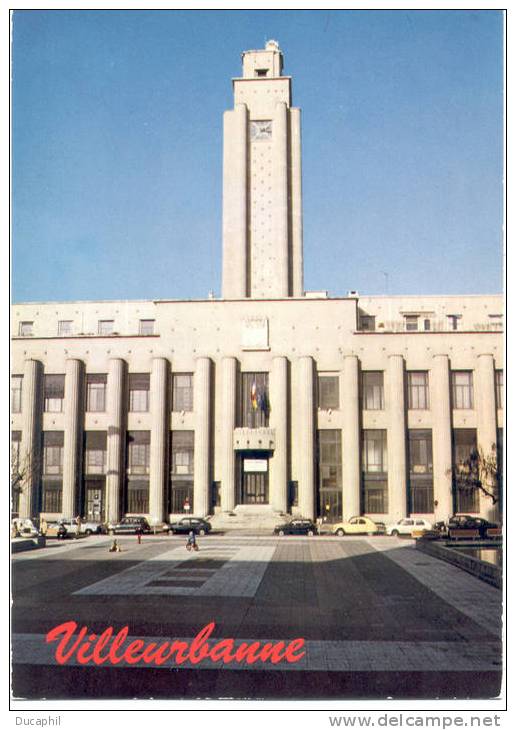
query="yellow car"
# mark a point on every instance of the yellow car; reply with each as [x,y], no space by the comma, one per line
[359,526]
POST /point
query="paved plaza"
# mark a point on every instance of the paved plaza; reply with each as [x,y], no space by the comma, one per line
[379,618]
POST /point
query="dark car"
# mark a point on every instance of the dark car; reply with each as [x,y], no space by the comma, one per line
[129,526]
[465,522]
[296,527]
[189,524]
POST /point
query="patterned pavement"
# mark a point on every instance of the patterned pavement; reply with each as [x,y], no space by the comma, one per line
[373,612]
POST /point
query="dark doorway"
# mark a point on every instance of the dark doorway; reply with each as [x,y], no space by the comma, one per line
[94,499]
[254,478]
[330,504]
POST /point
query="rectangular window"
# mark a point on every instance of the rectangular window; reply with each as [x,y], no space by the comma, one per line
[95,452]
[138,452]
[499,388]
[375,498]
[417,386]
[411,323]
[462,389]
[254,400]
[182,450]
[453,321]
[366,323]
[139,392]
[182,392]
[106,326]
[16,393]
[64,327]
[25,329]
[181,472]
[137,496]
[328,392]
[427,325]
[53,460]
[465,470]
[138,468]
[374,453]
[146,327]
[372,391]
[52,471]
[329,468]
[293,494]
[53,393]
[421,471]
[420,451]
[52,495]
[96,384]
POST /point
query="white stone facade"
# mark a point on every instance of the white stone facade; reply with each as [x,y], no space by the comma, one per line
[266,399]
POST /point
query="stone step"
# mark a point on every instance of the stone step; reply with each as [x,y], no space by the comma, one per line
[247,519]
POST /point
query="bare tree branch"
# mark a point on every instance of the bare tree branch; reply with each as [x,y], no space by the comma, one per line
[479,472]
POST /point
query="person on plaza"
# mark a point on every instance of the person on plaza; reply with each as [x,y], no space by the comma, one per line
[43,526]
[191,543]
[139,532]
[115,547]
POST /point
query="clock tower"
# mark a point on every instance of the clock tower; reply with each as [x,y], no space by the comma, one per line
[262,217]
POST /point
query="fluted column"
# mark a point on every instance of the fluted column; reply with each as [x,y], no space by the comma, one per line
[296,203]
[159,434]
[441,436]
[115,437]
[396,439]
[234,199]
[229,384]
[280,198]
[306,431]
[30,450]
[202,401]
[485,404]
[279,420]
[72,437]
[349,394]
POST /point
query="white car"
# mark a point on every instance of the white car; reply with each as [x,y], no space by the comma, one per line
[407,526]
[23,528]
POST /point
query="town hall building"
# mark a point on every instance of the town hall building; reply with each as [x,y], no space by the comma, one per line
[270,400]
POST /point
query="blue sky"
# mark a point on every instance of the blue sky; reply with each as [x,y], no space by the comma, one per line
[117,149]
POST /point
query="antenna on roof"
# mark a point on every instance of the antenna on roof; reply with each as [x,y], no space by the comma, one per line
[385,273]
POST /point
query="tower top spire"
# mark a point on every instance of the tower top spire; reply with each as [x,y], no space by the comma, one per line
[263,63]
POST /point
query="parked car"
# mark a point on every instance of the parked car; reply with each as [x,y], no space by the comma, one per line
[407,526]
[359,526]
[21,527]
[187,524]
[465,522]
[296,527]
[66,527]
[129,526]
[89,527]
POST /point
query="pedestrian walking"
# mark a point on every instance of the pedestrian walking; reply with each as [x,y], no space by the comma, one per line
[191,543]
[139,532]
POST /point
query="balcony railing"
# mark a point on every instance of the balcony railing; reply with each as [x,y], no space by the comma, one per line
[254,439]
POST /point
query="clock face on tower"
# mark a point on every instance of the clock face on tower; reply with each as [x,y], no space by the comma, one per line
[261,129]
